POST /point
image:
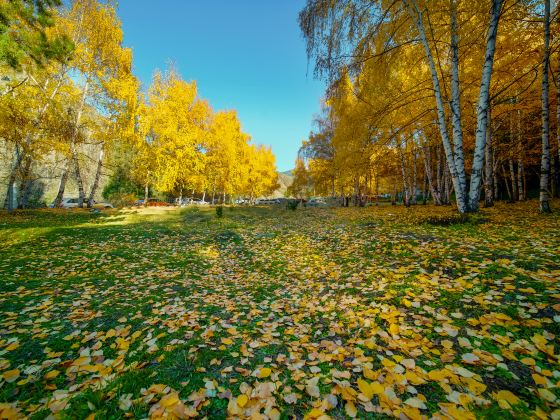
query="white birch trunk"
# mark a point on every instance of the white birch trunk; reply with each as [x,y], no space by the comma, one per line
[482,108]
[489,161]
[416,15]
[456,99]
[544,204]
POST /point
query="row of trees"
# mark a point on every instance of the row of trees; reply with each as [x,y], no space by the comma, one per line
[72,110]
[439,98]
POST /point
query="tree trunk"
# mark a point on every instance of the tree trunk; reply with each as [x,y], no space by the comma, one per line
[520,156]
[97,178]
[513,180]
[414,178]
[62,185]
[405,180]
[77,174]
[545,156]
[520,175]
[558,96]
[456,171]
[429,175]
[504,175]
[146,192]
[25,184]
[482,108]
[489,173]
[456,100]
[9,200]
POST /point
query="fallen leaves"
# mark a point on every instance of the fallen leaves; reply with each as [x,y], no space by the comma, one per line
[308,312]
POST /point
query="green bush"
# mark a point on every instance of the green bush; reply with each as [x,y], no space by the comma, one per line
[219,211]
[120,183]
[122,199]
[292,204]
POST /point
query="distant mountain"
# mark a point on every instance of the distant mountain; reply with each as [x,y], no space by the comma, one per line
[285,179]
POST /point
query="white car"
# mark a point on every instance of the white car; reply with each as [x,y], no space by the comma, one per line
[72,203]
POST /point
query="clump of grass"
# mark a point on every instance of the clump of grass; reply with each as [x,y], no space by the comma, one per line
[448,220]
[292,204]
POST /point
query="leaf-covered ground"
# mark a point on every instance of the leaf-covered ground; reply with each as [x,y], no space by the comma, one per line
[277,314]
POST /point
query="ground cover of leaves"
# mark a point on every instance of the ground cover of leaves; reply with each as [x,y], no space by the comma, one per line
[270,313]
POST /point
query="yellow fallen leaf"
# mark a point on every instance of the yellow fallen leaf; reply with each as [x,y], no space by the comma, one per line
[264,372]
[506,399]
[11,375]
[242,400]
[52,374]
[12,346]
[169,400]
[350,409]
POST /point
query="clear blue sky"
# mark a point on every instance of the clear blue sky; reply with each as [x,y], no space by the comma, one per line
[246,55]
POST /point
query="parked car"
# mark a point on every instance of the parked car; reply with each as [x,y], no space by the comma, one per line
[199,202]
[183,202]
[72,203]
[267,202]
[317,202]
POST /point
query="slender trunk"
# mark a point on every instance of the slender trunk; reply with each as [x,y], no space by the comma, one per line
[97,178]
[448,185]
[429,175]
[77,173]
[78,176]
[520,175]
[424,189]
[62,185]
[9,200]
[414,178]
[558,98]
[513,180]
[147,190]
[495,170]
[203,195]
[456,99]
[483,104]
[489,173]
[25,184]
[504,175]
[406,198]
[545,157]
[439,174]
[520,156]
[456,171]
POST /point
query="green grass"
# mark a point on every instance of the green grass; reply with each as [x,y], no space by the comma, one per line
[200,303]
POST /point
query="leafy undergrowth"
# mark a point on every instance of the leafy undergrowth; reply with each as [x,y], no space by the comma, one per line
[320,312]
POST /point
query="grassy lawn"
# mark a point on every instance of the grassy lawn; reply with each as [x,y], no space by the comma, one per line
[340,312]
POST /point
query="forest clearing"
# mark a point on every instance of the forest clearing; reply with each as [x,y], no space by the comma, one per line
[307,313]
[304,209]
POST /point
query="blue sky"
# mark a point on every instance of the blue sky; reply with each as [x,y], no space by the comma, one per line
[246,55]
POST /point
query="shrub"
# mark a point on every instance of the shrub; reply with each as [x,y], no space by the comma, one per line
[122,199]
[219,211]
[292,204]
